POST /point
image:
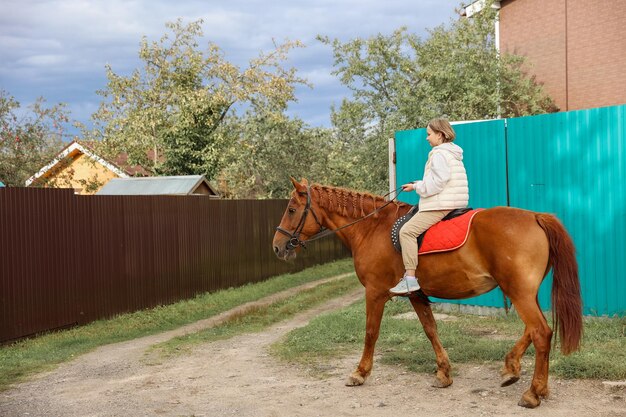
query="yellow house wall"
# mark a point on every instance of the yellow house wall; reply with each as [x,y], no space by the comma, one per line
[81,173]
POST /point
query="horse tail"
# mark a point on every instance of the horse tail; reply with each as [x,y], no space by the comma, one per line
[566,299]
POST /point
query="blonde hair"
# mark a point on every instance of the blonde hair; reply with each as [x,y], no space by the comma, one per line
[443,126]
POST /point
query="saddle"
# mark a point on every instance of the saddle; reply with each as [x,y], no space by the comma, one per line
[448,234]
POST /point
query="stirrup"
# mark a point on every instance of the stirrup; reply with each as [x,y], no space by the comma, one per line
[420,297]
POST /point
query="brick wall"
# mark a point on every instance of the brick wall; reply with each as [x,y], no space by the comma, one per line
[596,39]
[575,48]
[536,30]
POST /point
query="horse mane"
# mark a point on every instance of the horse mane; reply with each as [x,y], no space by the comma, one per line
[349,203]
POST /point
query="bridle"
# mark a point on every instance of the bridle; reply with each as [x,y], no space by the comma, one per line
[294,237]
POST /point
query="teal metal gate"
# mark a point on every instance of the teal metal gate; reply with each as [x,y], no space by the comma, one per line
[571,164]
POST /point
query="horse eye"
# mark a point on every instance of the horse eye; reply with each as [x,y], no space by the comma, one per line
[292,210]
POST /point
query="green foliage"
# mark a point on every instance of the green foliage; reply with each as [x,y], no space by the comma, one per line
[401,82]
[269,148]
[28,139]
[189,111]
[173,116]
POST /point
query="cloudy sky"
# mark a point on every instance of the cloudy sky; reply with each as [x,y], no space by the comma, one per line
[58,49]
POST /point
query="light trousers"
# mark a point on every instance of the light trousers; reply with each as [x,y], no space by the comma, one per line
[412,229]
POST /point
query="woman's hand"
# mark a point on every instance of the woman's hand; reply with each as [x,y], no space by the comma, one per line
[408,187]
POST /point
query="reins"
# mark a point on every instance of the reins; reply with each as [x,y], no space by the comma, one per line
[294,237]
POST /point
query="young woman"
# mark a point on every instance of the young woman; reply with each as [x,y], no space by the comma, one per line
[443,189]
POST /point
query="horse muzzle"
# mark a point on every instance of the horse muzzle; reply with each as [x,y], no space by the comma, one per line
[285,253]
[286,247]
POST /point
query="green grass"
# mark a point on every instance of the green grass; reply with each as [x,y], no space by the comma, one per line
[20,360]
[603,354]
[468,339]
[261,317]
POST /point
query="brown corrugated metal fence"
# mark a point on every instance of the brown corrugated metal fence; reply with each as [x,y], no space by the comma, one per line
[67,260]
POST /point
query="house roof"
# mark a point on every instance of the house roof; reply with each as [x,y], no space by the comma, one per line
[476,6]
[121,161]
[176,185]
[119,166]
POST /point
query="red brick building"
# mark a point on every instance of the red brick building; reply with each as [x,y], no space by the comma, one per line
[575,48]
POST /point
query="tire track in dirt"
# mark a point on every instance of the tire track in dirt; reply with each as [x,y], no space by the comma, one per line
[120,362]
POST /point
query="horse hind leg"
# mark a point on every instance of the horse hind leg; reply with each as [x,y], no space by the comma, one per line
[541,335]
[511,370]
[425,314]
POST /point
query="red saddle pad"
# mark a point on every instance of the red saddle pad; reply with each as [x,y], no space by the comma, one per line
[448,235]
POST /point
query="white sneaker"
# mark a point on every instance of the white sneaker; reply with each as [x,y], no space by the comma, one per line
[405,286]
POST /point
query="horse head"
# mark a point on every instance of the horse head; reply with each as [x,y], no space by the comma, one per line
[299,222]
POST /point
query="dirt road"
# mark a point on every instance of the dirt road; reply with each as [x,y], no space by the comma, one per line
[237,377]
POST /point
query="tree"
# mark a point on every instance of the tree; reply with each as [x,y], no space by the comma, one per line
[401,82]
[28,139]
[271,147]
[173,116]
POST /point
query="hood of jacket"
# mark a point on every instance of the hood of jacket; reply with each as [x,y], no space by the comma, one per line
[453,149]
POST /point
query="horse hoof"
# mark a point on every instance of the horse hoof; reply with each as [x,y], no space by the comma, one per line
[508,379]
[439,384]
[529,401]
[355,380]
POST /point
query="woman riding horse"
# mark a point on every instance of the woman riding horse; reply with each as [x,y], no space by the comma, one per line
[506,247]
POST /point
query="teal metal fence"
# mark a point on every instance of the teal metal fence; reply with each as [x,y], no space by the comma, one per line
[571,164]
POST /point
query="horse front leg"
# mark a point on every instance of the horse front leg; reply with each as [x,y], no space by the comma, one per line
[374,307]
[425,314]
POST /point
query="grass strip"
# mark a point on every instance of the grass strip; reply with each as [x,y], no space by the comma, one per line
[259,318]
[22,359]
[467,338]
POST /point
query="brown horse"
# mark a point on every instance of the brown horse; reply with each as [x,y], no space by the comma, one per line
[506,247]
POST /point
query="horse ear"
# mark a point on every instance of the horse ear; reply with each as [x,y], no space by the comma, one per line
[300,187]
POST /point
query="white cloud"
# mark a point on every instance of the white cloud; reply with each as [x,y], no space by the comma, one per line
[43,60]
[319,77]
